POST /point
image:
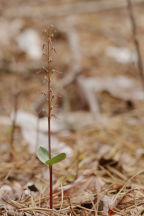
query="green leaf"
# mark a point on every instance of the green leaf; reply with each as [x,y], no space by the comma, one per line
[43,154]
[56,159]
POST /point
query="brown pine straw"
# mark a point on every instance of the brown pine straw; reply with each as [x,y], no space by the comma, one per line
[123,183]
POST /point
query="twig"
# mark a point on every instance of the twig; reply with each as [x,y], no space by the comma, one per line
[37,133]
[72,211]
[62,199]
[12,149]
[136,41]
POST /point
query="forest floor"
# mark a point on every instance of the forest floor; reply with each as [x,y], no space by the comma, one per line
[100,115]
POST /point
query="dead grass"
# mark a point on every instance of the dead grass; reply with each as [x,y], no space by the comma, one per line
[105,174]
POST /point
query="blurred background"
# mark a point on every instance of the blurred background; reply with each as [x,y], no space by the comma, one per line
[95,53]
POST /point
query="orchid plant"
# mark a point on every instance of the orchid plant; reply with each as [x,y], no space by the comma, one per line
[44,155]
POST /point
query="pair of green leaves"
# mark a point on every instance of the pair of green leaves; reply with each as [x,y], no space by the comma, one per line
[43,156]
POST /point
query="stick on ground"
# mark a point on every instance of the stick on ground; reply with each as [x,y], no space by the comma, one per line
[136,41]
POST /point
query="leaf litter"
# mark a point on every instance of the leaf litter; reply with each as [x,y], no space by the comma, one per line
[104,173]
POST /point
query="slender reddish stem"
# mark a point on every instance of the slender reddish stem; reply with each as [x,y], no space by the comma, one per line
[49,123]
[51,191]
